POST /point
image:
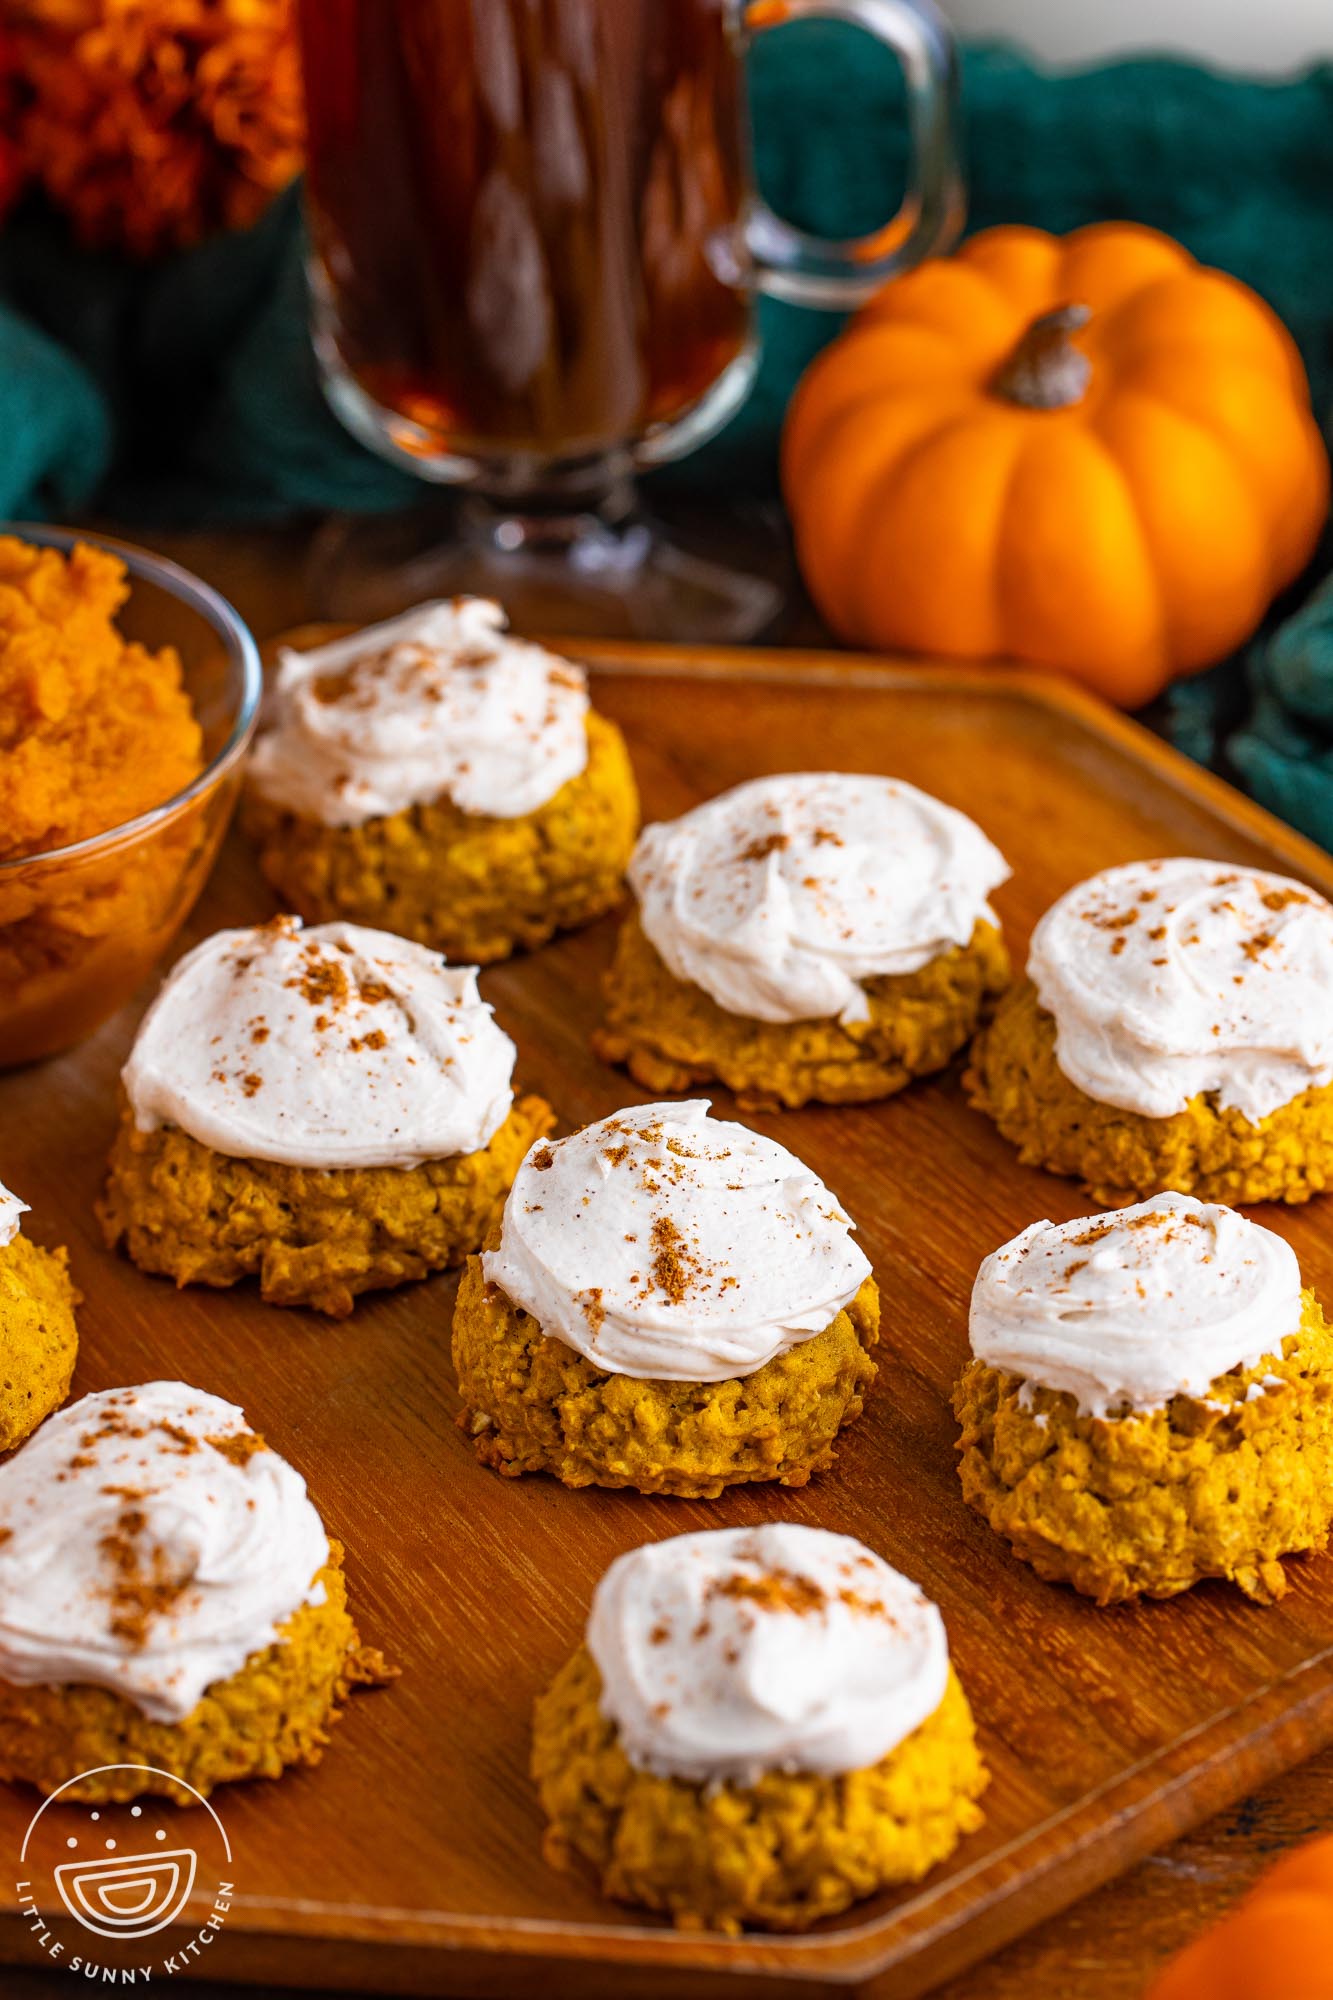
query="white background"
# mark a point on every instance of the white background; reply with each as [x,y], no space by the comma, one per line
[1271,35]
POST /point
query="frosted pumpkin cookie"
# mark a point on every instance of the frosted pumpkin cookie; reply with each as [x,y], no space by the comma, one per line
[168,1598]
[671,1303]
[1150,1402]
[437,777]
[328,1110]
[39,1341]
[814,936]
[762,1727]
[1175,1030]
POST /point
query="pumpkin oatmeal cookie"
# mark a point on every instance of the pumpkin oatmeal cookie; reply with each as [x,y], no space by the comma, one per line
[1175,1031]
[671,1304]
[130,1634]
[534,1405]
[1150,1403]
[671,1035]
[313,1236]
[659,1768]
[39,1341]
[437,778]
[820,936]
[329,1111]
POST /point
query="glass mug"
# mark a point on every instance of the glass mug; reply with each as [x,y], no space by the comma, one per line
[535,250]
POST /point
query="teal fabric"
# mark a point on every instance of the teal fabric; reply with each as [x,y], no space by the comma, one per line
[186,393]
[55,426]
[1283,750]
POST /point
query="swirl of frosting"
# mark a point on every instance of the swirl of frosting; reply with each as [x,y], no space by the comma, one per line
[150,1543]
[779,898]
[1167,978]
[1125,1310]
[670,1246]
[11,1208]
[439,704]
[332,1047]
[737,1651]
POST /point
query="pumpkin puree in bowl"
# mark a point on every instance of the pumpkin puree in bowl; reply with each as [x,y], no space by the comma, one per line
[94,731]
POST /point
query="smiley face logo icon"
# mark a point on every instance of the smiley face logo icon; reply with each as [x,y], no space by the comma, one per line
[128,1895]
[125,1873]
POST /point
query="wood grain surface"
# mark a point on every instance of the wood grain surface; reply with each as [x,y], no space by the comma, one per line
[410,1862]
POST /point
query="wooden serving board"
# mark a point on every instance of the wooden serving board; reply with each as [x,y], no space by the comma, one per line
[410,1862]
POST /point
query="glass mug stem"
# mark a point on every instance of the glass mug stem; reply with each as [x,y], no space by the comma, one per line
[535,255]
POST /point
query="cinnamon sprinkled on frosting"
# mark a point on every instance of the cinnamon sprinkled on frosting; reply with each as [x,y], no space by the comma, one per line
[332,1047]
[780,899]
[703,1248]
[177,1546]
[1124,1311]
[737,1651]
[441,703]
[1228,991]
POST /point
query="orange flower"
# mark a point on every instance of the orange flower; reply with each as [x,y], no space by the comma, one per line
[154,123]
[12,173]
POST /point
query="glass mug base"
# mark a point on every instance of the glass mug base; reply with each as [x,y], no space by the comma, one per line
[561,544]
[606,570]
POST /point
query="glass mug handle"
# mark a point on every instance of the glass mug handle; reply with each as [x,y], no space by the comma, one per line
[808,270]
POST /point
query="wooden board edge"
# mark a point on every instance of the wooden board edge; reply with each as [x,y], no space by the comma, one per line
[1162,1798]
[1205,1773]
[1051,691]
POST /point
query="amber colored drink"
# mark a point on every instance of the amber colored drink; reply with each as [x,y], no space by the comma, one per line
[527,214]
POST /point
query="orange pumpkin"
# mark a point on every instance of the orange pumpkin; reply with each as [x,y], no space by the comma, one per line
[1275,1945]
[1088,452]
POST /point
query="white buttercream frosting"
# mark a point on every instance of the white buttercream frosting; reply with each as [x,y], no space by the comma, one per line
[151,1545]
[1125,1310]
[332,1047]
[441,703]
[781,897]
[737,1651]
[11,1209]
[671,1246]
[1167,978]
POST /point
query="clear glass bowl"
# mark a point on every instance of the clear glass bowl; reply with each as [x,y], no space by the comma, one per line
[82,926]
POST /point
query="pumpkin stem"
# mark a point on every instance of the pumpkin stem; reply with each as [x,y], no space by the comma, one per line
[1046,371]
